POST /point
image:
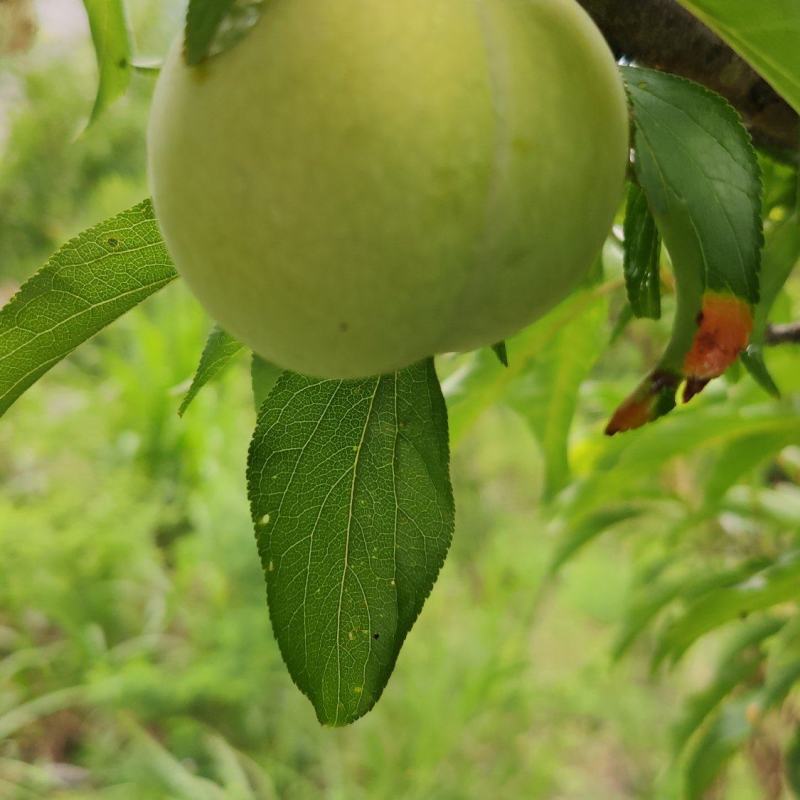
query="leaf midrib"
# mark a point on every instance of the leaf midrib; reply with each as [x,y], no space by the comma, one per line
[356,461]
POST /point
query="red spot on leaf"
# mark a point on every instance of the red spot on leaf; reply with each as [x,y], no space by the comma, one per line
[724,328]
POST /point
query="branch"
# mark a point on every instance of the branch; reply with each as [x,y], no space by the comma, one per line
[783,334]
[663,35]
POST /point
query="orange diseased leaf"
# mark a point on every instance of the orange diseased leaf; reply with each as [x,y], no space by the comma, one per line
[724,328]
[724,325]
[653,398]
[635,412]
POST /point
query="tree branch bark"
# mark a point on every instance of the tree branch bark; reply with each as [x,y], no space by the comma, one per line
[783,334]
[662,34]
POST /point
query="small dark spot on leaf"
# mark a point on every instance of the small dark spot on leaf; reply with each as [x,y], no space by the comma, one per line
[376,636]
[344,327]
[123,63]
[699,318]
[112,242]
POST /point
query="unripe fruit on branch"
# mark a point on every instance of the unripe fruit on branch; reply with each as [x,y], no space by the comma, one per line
[359,184]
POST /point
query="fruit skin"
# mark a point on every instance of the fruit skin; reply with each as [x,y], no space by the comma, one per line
[360,184]
[18,26]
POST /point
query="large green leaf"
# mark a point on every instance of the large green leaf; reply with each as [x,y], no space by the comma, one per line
[765,33]
[351,499]
[88,283]
[701,178]
[699,173]
[220,349]
[113,48]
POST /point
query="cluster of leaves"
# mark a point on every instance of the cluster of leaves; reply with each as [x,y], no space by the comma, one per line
[348,480]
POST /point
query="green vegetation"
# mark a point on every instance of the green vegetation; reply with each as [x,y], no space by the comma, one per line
[617,618]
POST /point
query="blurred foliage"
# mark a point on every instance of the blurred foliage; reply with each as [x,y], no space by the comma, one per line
[136,659]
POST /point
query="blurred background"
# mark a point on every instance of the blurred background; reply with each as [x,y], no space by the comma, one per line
[136,658]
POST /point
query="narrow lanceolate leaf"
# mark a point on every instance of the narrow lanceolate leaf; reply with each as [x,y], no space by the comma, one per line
[628,464]
[221,348]
[713,750]
[779,683]
[546,393]
[350,495]
[648,602]
[576,536]
[113,49]
[740,457]
[87,284]
[213,26]
[781,255]
[741,661]
[654,595]
[699,173]
[642,256]
[728,731]
[779,583]
[764,33]
[471,391]
[755,363]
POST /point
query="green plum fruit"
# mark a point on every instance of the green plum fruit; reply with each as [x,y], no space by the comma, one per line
[360,184]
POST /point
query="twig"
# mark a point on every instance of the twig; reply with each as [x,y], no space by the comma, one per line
[783,334]
[662,34]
